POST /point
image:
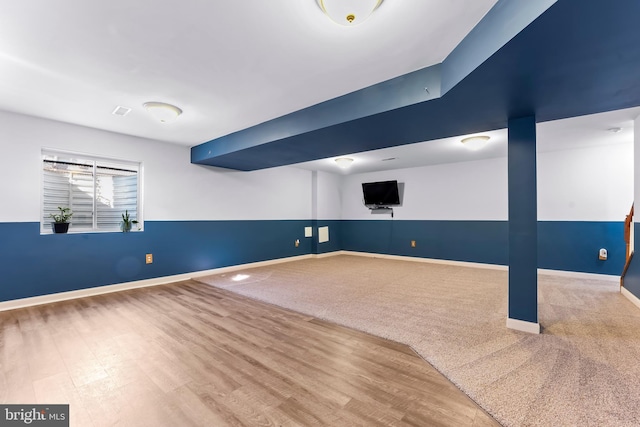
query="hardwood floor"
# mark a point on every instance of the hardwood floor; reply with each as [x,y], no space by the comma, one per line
[188,354]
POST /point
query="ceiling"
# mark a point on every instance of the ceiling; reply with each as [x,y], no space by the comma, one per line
[232,66]
[227,64]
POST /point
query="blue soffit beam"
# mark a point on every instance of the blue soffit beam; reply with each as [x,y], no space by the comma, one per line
[412,88]
[549,59]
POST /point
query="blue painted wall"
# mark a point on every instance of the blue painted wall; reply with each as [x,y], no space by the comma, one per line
[562,245]
[574,245]
[473,241]
[34,264]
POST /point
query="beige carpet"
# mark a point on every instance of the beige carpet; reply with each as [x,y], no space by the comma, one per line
[583,370]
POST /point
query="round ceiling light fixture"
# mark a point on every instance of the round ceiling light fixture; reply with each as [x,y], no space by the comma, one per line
[163,111]
[348,12]
[344,162]
[474,143]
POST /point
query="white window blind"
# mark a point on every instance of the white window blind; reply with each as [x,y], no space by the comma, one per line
[97,190]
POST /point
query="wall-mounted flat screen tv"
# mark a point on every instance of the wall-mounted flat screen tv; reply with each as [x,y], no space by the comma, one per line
[384,193]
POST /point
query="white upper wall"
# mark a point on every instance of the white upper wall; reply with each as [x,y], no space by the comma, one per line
[173,188]
[329,195]
[455,191]
[586,184]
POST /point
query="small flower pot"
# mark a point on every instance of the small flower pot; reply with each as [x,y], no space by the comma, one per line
[60,227]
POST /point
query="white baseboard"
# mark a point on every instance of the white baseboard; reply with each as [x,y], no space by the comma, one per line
[580,275]
[428,260]
[521,325]
[631,297]
[107,289]
[327,254]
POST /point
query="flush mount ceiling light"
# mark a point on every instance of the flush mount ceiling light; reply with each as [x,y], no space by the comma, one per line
[475,142]
[163,111]
[348,12]
[344,162]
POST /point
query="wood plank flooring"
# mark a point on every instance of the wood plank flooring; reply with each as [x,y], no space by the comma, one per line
[188,354]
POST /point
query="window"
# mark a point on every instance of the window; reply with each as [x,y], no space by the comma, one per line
[97,190]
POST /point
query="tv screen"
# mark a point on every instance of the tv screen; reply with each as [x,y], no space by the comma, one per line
[383,193]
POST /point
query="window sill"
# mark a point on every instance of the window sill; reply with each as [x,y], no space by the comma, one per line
[86,231]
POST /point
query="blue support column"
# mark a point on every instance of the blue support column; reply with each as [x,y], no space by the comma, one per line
[523,226]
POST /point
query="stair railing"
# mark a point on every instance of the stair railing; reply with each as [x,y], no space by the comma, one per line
[628,222]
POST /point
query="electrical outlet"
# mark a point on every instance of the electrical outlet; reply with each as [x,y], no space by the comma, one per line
[413,243]
[149,258]
[602,254]
[297,243]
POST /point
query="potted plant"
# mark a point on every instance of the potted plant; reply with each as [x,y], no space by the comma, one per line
[127,222]
[60,222]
